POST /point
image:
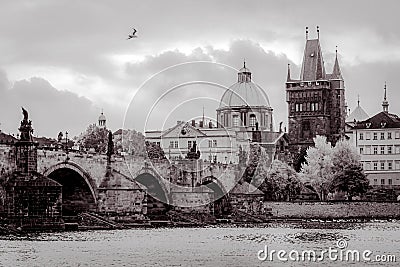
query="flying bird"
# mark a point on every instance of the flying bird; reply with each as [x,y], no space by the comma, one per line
[130,36]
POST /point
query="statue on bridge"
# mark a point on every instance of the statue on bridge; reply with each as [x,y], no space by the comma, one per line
[193,153]
[26,127]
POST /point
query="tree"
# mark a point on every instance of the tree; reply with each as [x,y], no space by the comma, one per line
[94,137]
[154,151]
[130,142]
[351,180]
[348,175]
[281,183]
[318,169]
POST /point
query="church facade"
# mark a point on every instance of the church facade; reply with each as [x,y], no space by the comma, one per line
[316,101]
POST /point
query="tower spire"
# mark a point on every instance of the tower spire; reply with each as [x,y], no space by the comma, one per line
[385,103]
[318,32]
[358,100]
[336,73]
[288,73]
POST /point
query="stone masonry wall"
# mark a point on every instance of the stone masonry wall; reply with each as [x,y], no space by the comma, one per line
[334,209]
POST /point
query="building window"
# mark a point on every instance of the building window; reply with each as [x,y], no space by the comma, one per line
[209,143]
[215,159]
[171,144]
[375,136]
[389,165]
[215,143]
[375,181]
[382,165]
[361,136]
[368,166]
[397,165]
[382,150]
[189,144]
[389,181]
[382,181]
[158,144]
[382,136]
[375,166]
[235,120]
[368,136]
[375,150]
[210,157]
[368,150]
[389,135]
[252,120]
[361,150]
[389,150]
[397,149]
[176,144]
[397,135]
[316,106]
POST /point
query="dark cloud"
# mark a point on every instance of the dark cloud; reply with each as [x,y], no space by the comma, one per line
[50,110]
[82,39]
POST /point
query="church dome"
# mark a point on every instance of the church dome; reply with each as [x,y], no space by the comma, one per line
[244,92]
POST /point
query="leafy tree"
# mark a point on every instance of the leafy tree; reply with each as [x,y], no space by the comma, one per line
[94,137]
[281,183]
[130,142]
[351,180]
[154,151]
[318,169]
[348,175]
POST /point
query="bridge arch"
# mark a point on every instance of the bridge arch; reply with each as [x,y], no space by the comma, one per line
[79,191]
[221,197]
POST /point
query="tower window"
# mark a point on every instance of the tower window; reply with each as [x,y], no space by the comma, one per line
[252,120]
[235,120]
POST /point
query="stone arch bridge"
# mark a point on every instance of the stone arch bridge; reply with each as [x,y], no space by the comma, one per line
[81,177]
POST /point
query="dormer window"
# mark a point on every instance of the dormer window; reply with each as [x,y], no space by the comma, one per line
[383,124]
[368,124]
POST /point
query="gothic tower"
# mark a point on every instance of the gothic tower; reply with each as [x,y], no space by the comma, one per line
[316,101]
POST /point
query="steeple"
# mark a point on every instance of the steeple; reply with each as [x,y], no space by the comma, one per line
[312,68]
[288,79]
[336,73]
[385,103]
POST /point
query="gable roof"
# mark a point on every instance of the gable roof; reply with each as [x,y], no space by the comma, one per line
[379,121]
[176,130]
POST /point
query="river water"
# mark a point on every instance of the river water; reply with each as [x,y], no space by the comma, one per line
[227,246]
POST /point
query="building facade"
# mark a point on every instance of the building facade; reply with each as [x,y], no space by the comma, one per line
[316,101]
[377,139]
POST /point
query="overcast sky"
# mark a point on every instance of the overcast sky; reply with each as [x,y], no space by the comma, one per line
[65,61]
